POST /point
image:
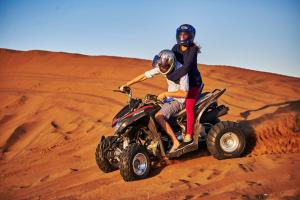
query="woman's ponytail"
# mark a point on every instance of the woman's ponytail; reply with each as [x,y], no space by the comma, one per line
[197,46]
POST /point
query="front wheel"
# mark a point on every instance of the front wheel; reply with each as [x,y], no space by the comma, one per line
[101,159]
[226,140]
[134,162]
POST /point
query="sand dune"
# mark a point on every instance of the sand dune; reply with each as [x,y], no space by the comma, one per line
[54,107]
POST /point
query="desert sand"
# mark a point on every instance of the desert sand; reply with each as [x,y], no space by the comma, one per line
[55,106]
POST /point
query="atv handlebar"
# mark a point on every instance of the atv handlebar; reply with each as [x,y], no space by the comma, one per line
[149,98]
[126,90]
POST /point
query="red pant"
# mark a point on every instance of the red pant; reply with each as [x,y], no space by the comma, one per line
[189,104]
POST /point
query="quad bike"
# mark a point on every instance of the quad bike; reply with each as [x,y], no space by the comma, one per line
[139,140]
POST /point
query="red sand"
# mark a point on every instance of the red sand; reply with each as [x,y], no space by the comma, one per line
[55,106]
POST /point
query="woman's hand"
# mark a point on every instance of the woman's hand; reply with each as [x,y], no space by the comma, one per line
[162,96]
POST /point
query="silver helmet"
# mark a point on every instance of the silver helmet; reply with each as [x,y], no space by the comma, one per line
[165,61]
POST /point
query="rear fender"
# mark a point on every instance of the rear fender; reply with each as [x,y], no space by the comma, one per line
[202,107]
[213,98]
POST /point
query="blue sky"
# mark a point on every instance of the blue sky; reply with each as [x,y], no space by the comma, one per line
[258,34]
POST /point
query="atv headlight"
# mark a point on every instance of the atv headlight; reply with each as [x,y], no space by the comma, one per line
[118,124]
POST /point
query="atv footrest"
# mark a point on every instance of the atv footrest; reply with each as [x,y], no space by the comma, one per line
[188,148]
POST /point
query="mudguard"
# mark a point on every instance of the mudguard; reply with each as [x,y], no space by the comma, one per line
[207,102]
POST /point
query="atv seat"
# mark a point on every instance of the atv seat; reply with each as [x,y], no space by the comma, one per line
[201,98]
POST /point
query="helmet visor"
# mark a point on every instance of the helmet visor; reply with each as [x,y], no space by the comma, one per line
[164,66]
[184,35]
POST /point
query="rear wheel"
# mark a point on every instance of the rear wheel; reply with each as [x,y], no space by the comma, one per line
[101,159]
[226,140]
[134,163]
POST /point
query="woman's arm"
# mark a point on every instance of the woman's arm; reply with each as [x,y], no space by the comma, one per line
[181,93]
[186,67]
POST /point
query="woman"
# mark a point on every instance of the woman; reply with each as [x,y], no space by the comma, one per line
[186,52]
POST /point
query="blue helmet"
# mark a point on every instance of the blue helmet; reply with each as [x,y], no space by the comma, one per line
[188,29]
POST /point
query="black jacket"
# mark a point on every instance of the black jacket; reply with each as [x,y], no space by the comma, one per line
[188,59]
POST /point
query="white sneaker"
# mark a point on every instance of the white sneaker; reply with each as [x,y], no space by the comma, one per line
[187,138]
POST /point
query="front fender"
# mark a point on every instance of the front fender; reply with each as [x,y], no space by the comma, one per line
[131,120]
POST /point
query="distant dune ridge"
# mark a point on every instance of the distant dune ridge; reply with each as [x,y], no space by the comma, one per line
[55,105]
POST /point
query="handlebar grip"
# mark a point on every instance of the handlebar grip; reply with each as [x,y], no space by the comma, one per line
[125,90]
[151,97]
